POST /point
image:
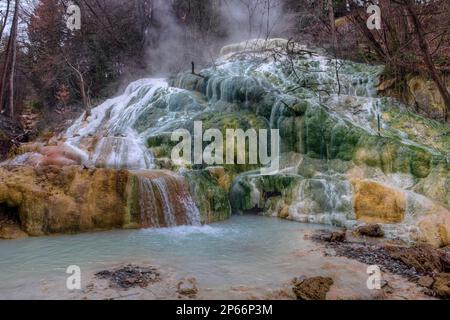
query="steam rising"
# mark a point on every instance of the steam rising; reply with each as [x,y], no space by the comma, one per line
[177,41]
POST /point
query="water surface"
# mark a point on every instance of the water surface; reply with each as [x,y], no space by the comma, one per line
[244,252]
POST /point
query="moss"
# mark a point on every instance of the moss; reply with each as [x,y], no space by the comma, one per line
[210,198]
[393,156]
[269,187]
[161,145]
[276,183]
[418,129]
[344,140]
[318,128]
[236,120]
[240,196]
[420,162]
[265,106]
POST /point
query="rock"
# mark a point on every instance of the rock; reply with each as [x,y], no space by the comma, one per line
[371,230]
[64,200]
[284,212]
[423,258]
[164,163]
[187,287]
[12,232]
[130,276]
[373,255]
[436,185]
[425,94]
[425,281]
[53,199]
[222,177]
[250,191]
[435,228]
[312,288]
[209,196]
[37,155]
[387,288]
[445,259]
[377,203]
[10,133]
[441,286]
[330,236]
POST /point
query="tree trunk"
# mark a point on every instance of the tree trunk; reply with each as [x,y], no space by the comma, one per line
[5,74]
[428,59]
[331,17]
[84,96]
[8,67]
[6,19]
[13,62]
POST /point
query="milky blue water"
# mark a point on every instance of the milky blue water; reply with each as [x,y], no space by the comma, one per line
[241,251]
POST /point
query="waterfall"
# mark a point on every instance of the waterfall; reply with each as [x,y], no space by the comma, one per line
[330,130]
[115,136]
[323,200]
[108,138]
[165,201]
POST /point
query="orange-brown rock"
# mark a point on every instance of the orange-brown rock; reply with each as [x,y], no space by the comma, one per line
[223,178]
[423,258]
[63,200]
[374,202]
[11,232]
[312,288]
[435,228]
[441,286]
[54,199]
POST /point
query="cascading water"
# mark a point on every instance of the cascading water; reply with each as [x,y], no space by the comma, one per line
[165,201]
[319,117]
[323,200]
[113,137]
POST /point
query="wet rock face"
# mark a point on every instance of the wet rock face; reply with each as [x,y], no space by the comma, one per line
[64,200]
[323,138]
[377,203]
[211,199]
[312,288]
[53,199]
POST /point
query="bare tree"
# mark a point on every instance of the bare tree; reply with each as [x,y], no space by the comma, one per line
[9,65]
[412,39]
[413,15]
[14,58]
[4,19]
[82,85]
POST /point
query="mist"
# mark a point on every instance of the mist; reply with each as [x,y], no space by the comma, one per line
[197,35]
